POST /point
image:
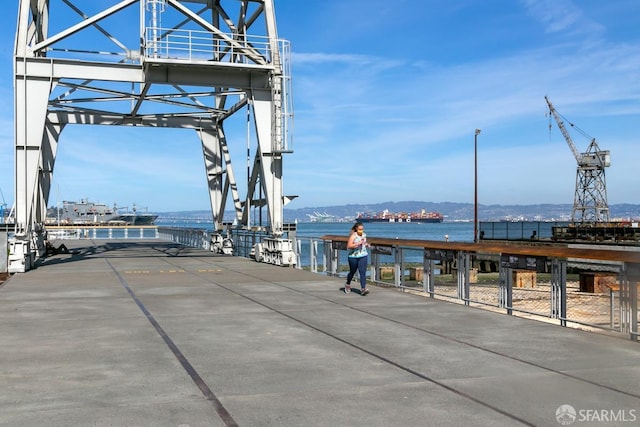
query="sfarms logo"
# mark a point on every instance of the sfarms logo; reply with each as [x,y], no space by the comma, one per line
[567,415]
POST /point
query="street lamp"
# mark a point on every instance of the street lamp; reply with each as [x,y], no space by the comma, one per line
[475,193]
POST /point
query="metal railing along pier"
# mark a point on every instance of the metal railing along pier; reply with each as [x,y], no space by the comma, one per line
[600,291]
[595,288]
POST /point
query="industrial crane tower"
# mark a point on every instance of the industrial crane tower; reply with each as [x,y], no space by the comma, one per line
[590,200]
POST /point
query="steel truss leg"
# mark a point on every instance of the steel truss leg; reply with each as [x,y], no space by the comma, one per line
[36,142]
[267,170]
[220,176]
[270,160]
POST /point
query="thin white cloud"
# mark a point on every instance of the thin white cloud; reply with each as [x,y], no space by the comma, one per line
[314,58]
[445,102]
[563,16]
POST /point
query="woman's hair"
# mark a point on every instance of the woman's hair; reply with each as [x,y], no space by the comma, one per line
[355,226]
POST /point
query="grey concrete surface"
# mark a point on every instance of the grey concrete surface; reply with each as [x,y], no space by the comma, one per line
[147,333]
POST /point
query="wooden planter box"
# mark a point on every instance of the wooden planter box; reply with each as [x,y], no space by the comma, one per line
[524,279]
[387,273]
[415,273]
[599,283]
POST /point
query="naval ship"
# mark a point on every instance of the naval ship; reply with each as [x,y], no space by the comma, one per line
[85,212]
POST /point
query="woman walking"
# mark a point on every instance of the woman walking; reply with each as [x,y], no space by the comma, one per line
[358,258]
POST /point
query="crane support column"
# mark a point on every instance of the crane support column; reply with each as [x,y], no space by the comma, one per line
[35,149]
[220,176]
[270,159]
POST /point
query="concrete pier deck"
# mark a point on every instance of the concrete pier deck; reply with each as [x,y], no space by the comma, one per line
[149,333]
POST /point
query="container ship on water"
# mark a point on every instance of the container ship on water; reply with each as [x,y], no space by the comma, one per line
[85,212]
[386,216]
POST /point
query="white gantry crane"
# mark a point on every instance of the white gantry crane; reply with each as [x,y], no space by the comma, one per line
[590,200]
[196,65]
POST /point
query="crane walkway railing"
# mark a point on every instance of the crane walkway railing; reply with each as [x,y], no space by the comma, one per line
[183,44]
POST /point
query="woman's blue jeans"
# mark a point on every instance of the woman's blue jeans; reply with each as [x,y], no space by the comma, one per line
[360,265]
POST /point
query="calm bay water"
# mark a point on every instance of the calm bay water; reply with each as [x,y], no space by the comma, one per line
[456,232]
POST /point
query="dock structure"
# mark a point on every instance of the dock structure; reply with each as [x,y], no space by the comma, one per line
[152,333]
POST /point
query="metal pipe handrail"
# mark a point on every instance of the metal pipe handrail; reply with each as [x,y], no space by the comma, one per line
[557,255]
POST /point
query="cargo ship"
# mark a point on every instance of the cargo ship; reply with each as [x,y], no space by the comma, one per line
[386,216]
[85,212]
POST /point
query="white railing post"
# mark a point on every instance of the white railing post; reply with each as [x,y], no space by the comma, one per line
[398,266]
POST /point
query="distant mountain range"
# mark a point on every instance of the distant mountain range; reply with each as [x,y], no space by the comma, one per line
[451,211]
[464,211]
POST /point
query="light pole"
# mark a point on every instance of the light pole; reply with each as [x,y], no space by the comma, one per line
[475,192]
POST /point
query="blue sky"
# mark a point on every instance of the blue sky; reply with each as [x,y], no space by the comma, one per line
[387,96]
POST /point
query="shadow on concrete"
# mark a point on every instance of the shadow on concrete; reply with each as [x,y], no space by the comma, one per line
[80,250]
